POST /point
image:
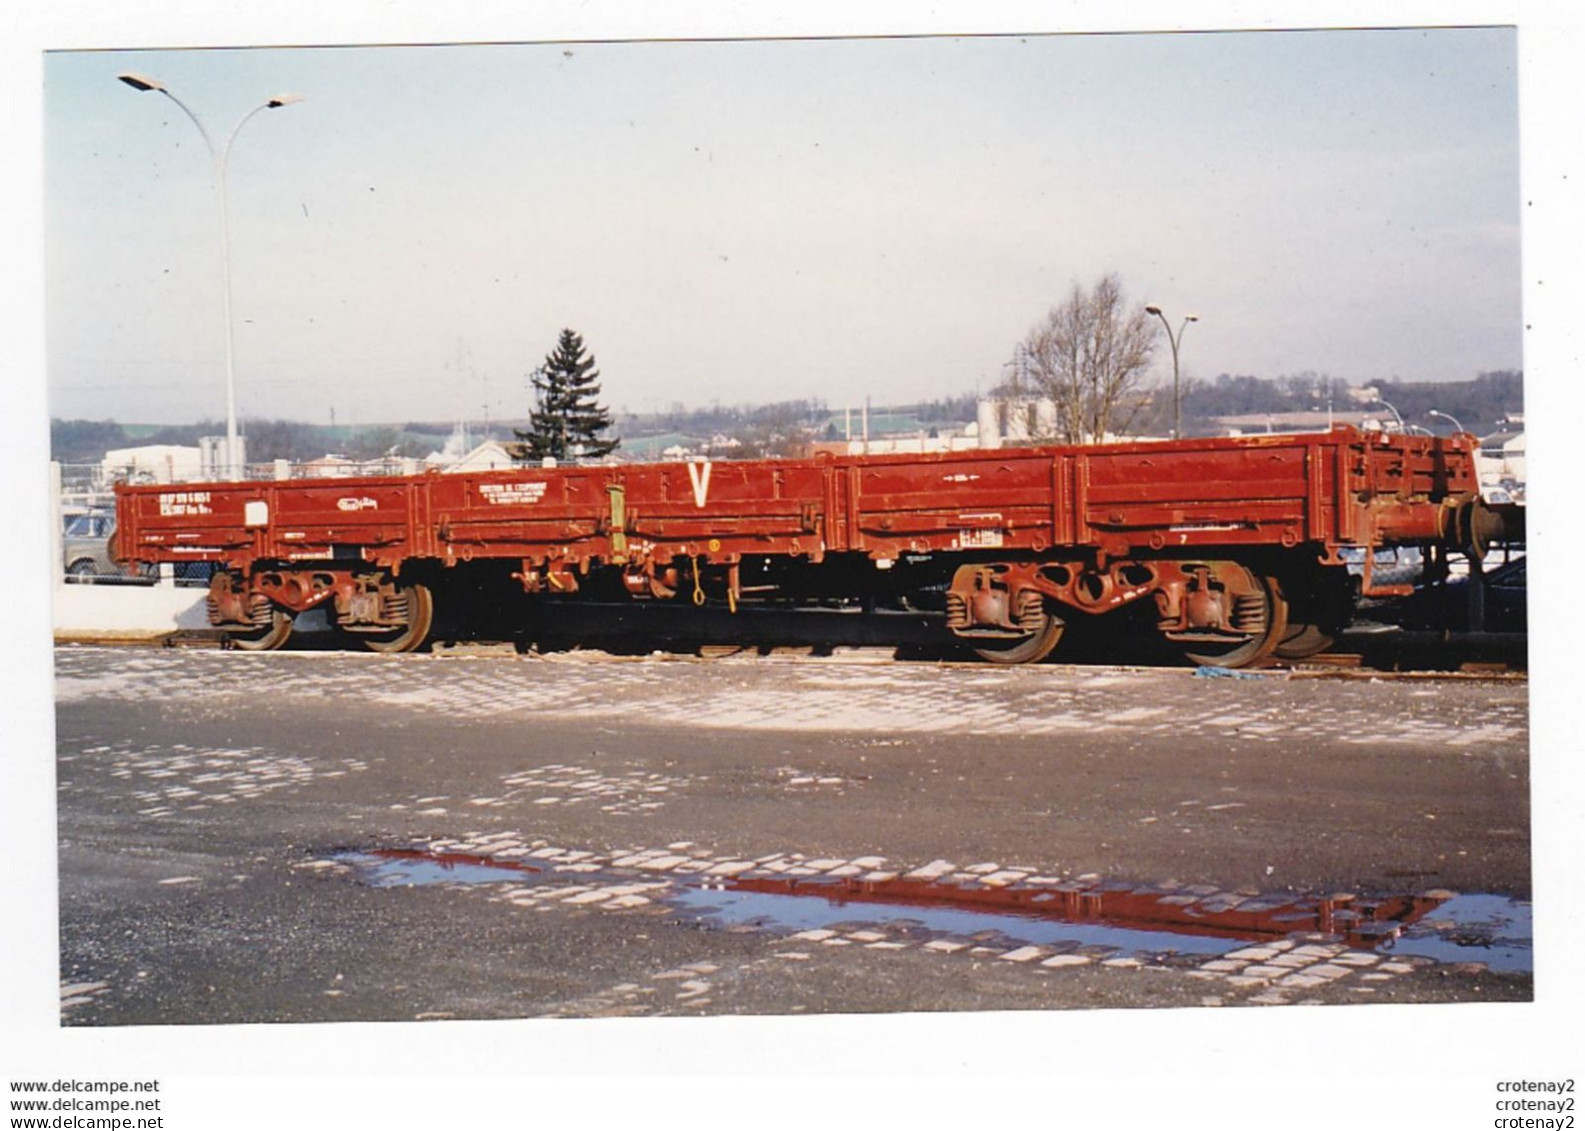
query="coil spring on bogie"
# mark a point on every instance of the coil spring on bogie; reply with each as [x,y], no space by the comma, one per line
[1031,613]
[1249,614]
[395,608]
[260,611]
[957,611]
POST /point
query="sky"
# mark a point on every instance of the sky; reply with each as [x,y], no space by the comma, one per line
[752,221]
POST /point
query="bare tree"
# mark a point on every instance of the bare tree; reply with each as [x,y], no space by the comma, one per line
[1088,356]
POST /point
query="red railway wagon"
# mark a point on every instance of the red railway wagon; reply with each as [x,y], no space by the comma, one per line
[1228,546]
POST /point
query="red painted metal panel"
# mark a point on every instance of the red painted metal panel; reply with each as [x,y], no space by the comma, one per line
[1332,488]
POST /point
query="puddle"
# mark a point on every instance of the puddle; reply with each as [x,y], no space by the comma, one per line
[1474,928]
[1111,917]
[400,867]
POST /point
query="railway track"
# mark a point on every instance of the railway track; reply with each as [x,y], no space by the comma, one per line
[1372,651]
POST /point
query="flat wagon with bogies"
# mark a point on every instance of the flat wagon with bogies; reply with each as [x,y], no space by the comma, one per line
[1229,548]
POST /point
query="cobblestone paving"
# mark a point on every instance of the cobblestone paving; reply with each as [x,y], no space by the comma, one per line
[189,778]
[834,695]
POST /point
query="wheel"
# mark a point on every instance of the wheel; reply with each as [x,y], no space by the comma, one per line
[1320,604]
[1029,649]
[82,572]
[1253,647]
[1302,641]
[265,639]
[420,617]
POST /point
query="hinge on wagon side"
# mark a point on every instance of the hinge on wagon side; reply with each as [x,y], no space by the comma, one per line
[618,495]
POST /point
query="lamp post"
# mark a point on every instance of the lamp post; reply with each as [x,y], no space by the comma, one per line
[220,157]
[1175,340]
[1457,427]
[1402,427]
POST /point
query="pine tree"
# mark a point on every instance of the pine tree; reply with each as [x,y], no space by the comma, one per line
[567,417]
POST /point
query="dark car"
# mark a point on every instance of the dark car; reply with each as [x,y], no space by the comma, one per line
[1447,606]
[1392,565]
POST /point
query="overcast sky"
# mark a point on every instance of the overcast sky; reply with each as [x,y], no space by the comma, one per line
[754,221]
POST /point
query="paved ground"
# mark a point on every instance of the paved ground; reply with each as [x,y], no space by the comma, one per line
[655,826]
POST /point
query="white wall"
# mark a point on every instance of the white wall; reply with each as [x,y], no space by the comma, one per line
[132,611]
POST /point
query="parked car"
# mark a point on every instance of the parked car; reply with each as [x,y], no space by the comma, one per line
[87,551]
[1392,565]
[1447,606]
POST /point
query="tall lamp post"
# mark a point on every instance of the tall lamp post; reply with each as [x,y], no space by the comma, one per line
[221,157]
[1176,340]
[1396,415]
[1449,417]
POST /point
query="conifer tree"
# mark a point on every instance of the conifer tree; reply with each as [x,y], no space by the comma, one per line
[567,419]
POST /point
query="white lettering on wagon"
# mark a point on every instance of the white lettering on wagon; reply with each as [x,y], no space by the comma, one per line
[699,476]
[184,502]
[982,530]
[502,494]
[356,503]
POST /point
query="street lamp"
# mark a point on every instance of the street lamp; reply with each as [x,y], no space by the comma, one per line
[1457,427]
[1402,427]
[220,157]
[1176,340]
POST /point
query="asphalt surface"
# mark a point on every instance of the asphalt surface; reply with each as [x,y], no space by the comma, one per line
[220,816]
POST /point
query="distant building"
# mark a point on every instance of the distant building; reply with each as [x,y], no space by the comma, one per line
[1008,421]
[1015,420]
[329,467]
[492,455]
[1502,458]
[896,445]
[153,463]
[212,453]
[1317,420]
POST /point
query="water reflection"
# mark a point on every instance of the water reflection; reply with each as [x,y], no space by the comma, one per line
[1096,917]
[403,867]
